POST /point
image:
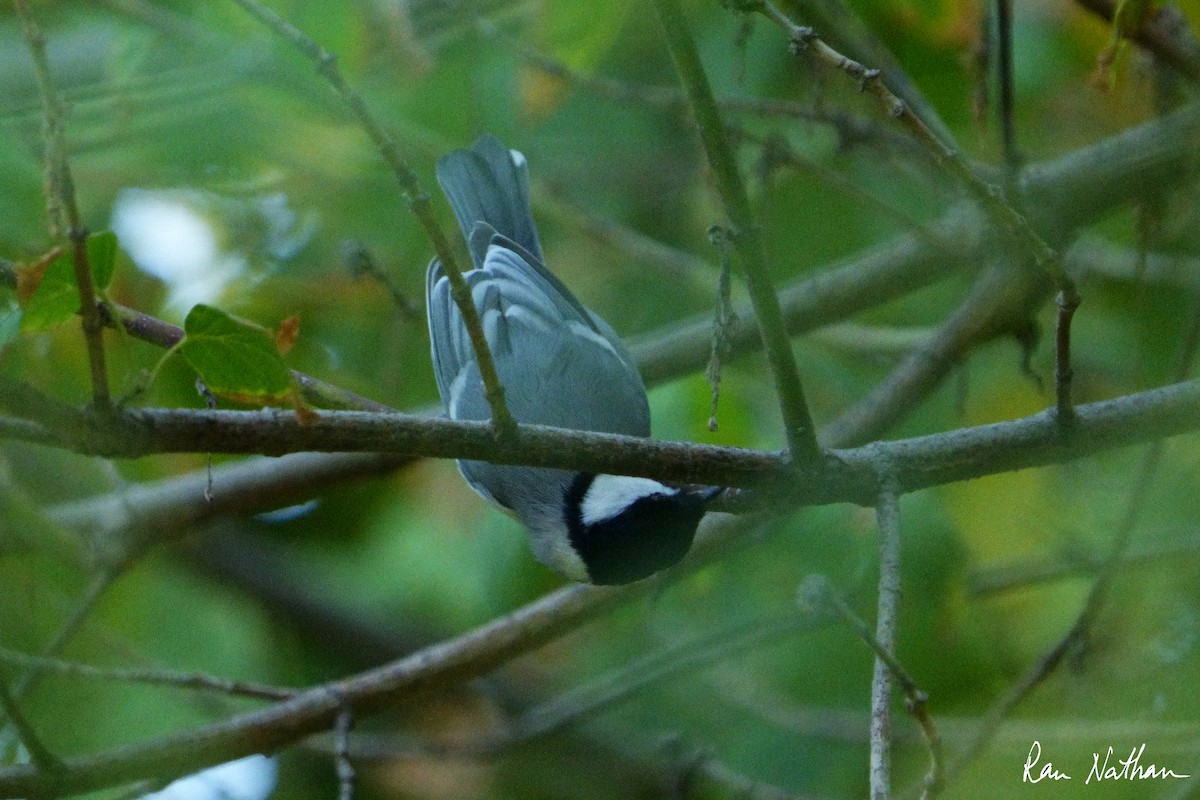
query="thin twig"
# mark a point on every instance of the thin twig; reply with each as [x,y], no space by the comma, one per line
[359,262]
[418,202]
[341,754]
[801,435]
[816,593]
[62,205]
[777,150]
[1066,303]
[737,784]
[83,607]
[39,754]
[193,681]
[995,306]
[887,515]
[848,30]
[1004,74]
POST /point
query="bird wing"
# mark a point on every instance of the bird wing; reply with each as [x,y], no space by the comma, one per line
[559,363]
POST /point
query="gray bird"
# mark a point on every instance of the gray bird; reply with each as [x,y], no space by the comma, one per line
[560,365]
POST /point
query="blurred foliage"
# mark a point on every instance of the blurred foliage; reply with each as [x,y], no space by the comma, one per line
[194,101]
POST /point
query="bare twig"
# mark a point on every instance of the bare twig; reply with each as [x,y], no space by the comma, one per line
[816,593]
[801,435]
[192,681]
[1066,302]
[887,514]
[39,754]
[359,261]
[850,32]
[610,689]
[1004,75]
[341,756]
[418,201]
[84,606]
[996,305]
[737,784]
[63,208]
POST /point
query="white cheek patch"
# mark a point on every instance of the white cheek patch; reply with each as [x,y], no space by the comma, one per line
[609,495]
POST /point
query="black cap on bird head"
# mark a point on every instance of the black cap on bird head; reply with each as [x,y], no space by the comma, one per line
[625,529]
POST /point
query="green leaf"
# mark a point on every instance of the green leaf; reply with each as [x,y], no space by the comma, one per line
[235,358]
[56,298]
[102,258]
[581,34]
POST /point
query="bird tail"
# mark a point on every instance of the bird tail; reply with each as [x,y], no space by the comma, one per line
[489,184]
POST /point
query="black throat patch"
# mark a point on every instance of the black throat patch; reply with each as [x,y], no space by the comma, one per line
[650,535]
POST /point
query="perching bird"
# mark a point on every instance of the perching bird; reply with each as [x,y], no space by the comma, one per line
[560,365]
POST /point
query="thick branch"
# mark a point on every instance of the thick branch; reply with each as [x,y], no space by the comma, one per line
[839,476]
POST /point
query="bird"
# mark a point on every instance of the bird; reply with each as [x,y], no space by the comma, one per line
[560,365]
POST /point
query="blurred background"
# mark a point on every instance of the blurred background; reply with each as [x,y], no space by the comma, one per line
[232,175]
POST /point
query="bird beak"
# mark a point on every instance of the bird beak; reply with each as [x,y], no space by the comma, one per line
[707,493]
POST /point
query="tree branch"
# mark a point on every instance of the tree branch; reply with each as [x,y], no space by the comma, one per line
[63,208]
[418,201]
[839,476]
[887,514]
[445,663]
[798,424]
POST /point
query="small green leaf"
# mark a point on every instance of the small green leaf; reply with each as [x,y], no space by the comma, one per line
[102,258]
[235,358]
[56,298]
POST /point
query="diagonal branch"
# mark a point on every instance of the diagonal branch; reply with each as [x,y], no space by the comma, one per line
[446,663]
[418,201]
[801,435]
